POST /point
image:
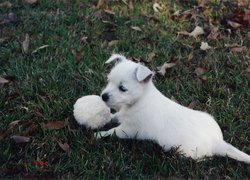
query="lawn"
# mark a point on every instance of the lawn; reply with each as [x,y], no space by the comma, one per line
[53,52]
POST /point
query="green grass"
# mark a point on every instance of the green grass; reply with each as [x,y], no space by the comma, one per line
[48,82]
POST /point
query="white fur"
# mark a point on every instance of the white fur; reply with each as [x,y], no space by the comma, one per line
[91,112]
[145,113]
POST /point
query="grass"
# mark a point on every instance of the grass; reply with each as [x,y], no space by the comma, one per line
[45,84]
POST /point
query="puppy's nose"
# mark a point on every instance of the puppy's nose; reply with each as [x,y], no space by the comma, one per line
[105,97]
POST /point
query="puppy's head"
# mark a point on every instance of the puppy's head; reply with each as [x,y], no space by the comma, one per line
[127,82]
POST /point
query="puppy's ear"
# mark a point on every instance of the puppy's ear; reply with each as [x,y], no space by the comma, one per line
[143,74]
[116,57]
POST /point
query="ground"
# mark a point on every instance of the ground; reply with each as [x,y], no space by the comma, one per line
[53,52]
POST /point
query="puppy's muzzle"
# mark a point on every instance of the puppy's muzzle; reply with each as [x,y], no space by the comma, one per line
[105,97]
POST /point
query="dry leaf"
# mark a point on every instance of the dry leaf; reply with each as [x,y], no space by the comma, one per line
[3,80]
[5,4]
[37,49]
[13,124]
[78,54]
[56,125]
[173,99]
[25,44]
[196,32]
[113,42]
[193,104]
[130,5]
[248,69]
[20,139]
[30,2]
[203,3]
[136,28]
[101,4]
[4,39]
[238,49]
[164,67]
[199,71]
[64,146]
[10,18]
[150,57]
[157,7]
[233,24]
[204,46]
[109,12]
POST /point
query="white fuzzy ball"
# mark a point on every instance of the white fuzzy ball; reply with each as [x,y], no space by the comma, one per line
[91,112]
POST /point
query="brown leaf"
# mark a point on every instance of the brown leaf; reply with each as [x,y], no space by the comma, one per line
[109,12]
[173,99]
[78,54]
[101,4]
[199,71]
[164,67]
[203,3]
[204,46]
[5,4]
[64,146]
[130,5]
[136,28]
[26,43]
[3,80]
[12,124]
[238,49]
[195,33]
[20,139]
[248,69]
[113,42]
[10,18]
[193,104]
[240,18]
[150,57]
[56,125]
[242,3]
[30,2]
[30,129]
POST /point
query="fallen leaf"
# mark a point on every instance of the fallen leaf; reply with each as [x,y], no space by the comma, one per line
[173,99]
[203,3]
[78,54]
[240,18]
[199,71]
[3,80]
[238,49]
[157,7]
[242,3]
[64,146]
[4,39]
[5,4]
[164,67]
[101,4]
[193,104]
[26,43]
[20,139]
[233,24]
[113,42]
[136,28]
[130,5]
[12,124]
[30,2]
[248,69]
[204,46]
[150,57]
[31,129]
[195,33]
[85,40]
[56,125]
[10,18]
[109,12]
[37,49]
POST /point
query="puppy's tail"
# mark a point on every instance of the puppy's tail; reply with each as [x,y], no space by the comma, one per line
[225,149]
[116,57]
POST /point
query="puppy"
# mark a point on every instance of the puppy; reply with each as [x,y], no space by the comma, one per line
[145,113]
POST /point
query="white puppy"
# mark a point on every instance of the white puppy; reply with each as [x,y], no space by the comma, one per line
[145,113]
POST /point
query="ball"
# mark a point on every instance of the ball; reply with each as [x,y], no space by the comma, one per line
[91,112]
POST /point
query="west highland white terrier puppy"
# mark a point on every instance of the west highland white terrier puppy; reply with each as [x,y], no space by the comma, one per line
[145,113]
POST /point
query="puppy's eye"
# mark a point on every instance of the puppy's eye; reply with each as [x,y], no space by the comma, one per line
[122,88]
